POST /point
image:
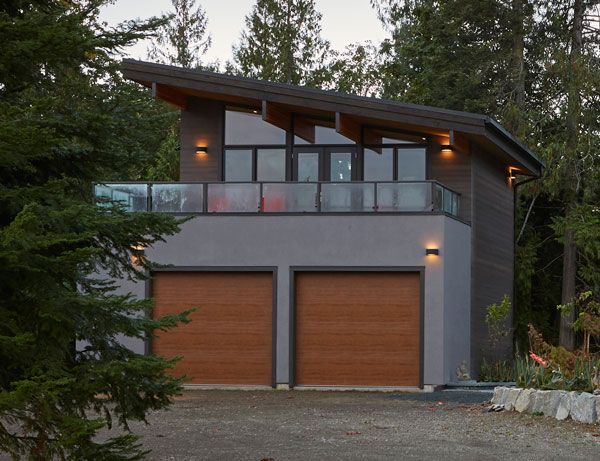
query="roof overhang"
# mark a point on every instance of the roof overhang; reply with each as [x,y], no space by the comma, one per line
[176,84]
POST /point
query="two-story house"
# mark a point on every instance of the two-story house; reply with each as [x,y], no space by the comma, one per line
[337,240]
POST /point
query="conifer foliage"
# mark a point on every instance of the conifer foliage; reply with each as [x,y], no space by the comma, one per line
[64,124]
[282,43]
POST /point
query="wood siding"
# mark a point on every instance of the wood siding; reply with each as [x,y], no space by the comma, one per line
[201,125]
[453,169]
[493,251]
[358,328]
[229,338]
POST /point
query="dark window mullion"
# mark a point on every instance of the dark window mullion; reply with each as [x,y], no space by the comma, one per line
[395,165]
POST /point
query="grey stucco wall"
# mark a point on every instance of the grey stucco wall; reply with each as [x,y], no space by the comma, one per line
[342,241]
[457,306]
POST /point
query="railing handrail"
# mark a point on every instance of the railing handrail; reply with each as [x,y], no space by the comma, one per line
[363,204]
[150,183]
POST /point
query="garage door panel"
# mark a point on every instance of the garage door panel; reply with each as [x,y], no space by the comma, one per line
[229,338]
[358,328]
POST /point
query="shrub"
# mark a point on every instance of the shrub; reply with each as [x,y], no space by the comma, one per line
[498,371]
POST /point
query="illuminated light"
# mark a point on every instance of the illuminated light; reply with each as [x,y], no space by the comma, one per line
[136,257]
[512,173]
[447,147]
[432,251]
[201,150]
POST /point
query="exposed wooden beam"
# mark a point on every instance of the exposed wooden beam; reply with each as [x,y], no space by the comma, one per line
[169,95]
[277,115]
[347,126]
[304,129]
[372,137]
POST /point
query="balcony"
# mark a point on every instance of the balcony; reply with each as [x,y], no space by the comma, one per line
[283,197]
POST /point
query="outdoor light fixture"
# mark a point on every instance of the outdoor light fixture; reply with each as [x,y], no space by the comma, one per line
[432,251]
[447,147]
[201,150]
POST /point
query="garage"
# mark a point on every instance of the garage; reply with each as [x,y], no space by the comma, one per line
[358,328]
[229,339]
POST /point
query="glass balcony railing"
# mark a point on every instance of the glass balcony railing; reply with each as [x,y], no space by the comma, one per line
[282,197]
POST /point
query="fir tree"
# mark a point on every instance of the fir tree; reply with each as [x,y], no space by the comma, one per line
[184,39]
[64,374]
[282,43]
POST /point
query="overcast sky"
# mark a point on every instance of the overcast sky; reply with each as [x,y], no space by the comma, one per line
[344,22]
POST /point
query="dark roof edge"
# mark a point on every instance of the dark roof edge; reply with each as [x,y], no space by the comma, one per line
[316,92]
[504,133]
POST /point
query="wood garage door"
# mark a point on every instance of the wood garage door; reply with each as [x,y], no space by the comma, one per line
[229,340]
[358,328]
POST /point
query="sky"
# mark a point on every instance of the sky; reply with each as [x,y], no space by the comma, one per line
[344,22]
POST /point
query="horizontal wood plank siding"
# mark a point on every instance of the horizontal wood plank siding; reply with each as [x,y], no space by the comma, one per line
[229,338]
[201,125]
[358,328]
[453,169]
[493,251]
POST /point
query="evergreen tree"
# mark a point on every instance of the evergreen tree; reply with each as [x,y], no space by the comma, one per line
[64,122]
[357,70]
[533,65]
[282,43]
[184,39]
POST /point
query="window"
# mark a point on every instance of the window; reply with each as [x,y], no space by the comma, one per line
[238,164]
[379,164]
[270,165]
[397,163]
[243,127]
[411,164]
[324,134]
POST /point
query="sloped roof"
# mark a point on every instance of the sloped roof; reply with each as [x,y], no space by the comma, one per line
[178,83]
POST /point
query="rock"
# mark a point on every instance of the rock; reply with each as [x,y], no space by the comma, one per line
[583,408]
[500,394]
[597,399]
[564,407]
[511,398]
[524,401]
[538,401]
[548,402]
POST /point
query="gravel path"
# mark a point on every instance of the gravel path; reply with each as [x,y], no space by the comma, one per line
[305,425]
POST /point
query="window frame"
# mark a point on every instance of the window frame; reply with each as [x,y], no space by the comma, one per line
[255,149]
[396,148]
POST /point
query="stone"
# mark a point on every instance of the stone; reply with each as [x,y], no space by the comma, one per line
[597,399]
[548,402]
[511,398]
[500,394]
[564,406]
[524,401]
[583,408]
[538,401]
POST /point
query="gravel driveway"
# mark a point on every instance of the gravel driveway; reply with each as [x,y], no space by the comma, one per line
[306,425]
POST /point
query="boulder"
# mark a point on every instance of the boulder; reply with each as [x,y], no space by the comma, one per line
[524,401]
[548,402]
[511,398]
[539,399]
[500,394]
[564,406]
[583,408]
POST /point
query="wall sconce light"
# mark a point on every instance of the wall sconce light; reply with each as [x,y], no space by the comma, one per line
[432,251]
[512,175]
[201,150]
[447,147]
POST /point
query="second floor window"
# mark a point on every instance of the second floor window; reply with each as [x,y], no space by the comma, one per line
[246,127]
[255,164]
